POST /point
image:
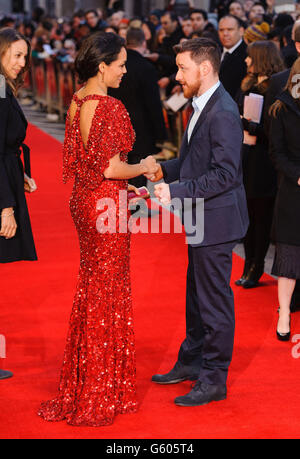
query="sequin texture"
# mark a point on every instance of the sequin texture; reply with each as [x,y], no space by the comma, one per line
[98,376]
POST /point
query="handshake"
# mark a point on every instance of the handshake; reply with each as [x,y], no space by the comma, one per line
[151,169]
[153,172]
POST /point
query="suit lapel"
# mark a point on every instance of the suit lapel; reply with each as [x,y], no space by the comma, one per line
[185,143]
[219,92]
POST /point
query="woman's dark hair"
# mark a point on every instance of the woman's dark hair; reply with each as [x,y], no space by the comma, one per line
[266,60]
[9,36]
[98,47]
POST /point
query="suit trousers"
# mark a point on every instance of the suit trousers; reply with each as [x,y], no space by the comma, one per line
[210,318]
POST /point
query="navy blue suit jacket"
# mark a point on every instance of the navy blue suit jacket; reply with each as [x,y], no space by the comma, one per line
[210,167]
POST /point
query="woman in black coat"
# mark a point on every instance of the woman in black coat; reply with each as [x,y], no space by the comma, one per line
[285,153]
[16,240]
[260,178]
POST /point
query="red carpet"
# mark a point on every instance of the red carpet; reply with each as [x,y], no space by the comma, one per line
[36,300]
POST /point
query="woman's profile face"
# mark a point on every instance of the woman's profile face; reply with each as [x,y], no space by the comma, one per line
[116,70]
[14,59]
[248,61]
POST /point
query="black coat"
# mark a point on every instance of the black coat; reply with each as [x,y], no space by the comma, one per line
[233,69]
[285,153]
[278,82]
[260,177]
[13,127]
[139,93]
[166,62]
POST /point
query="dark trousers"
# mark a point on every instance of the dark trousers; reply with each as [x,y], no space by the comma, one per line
[210,321]
[257,240]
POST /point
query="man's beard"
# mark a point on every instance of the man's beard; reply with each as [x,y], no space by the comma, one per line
[192,90]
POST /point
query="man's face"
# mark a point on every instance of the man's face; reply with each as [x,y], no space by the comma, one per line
[188,75]
[198,22]
[92,19]
[168,25]
[256,14]
[187,27]
[236,9]
[115,20]
[229,32]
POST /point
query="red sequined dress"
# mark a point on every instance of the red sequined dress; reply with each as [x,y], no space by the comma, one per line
[98,377]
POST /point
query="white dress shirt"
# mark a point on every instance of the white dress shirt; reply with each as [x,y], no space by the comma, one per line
[198,105]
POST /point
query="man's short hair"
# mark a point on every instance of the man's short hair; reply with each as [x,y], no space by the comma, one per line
[239,21]
[201,49]
[135,37]
[91,11]
[173,16]
[199,11]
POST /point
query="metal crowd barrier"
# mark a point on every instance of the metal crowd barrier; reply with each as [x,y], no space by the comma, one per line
[52,84]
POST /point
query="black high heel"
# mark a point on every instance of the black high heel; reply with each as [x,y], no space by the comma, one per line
[283,336]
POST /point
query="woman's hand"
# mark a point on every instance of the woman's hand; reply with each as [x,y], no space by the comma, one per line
[9,225]
[136,191]
[29,184]
[150,164]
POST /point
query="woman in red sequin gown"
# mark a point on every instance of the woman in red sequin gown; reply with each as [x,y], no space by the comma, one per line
[98,377]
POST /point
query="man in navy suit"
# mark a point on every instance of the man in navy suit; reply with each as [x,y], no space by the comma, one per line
[209,168]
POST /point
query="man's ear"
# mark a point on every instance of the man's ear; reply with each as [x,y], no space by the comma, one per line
[297,44]
[205,67]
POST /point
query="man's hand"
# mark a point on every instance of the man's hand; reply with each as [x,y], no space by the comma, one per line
[162,192]
[164,82]
[150,165]
[157,176]
[299,181]
[152,56]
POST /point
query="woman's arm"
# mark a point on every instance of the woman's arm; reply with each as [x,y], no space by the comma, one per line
[118,169]
[7,199]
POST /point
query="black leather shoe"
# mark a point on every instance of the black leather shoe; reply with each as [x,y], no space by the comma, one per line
[202,394]
[240,281]
[178,374]
[5,374]
[254,274]
[250,283]
[244,276]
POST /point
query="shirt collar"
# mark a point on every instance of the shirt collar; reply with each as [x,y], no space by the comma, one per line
[200,102]
[230,50]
